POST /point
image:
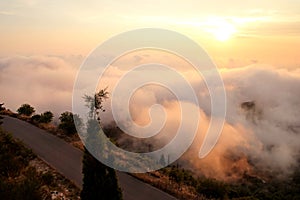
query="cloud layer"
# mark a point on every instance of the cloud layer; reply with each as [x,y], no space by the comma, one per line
[42,81]
[264,136]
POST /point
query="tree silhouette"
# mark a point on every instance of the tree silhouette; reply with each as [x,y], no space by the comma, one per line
[162,160]
[67,123]
[26,109]
[99,181]
[1,108]
[45,117]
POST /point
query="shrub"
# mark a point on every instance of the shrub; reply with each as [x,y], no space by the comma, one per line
[67,123]
[47,178]
[29,187]
[17,180]
[46,117]
[36,118]
[211,188]
[26,109]
[1,109]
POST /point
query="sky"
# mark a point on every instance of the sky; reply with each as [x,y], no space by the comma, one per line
[255,45]
[234,33]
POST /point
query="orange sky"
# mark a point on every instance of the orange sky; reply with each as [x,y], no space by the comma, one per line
[234,33]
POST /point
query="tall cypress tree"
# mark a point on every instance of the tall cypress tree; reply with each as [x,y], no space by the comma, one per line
[99,181]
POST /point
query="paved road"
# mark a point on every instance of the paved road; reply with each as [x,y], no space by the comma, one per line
[67,160]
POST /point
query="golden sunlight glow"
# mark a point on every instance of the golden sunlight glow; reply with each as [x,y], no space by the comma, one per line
[224,33]
[221,29]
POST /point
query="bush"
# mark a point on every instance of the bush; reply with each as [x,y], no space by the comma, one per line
[13,156]
[1,109]
[47,178]
[67,123]
[26,109]
[46,117]
[17,179]
[29,187]
[36,118]
[211,188]
[176,174]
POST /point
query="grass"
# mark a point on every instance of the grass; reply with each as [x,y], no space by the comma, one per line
[24,176]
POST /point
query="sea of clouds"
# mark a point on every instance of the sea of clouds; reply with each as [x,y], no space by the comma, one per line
[265,136]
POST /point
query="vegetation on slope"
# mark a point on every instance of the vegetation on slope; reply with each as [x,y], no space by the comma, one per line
[20,178]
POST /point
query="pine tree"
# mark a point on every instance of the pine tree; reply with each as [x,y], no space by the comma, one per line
[99,182]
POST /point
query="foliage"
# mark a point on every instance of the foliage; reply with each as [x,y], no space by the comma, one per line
[29,188]
[26,109]
[1,108]
[211,188]
[99,181]
[94,103]
[26,189]
[14,159]
[47,178]
[246,188]
[90,103]
[18,180]
[176,175]
[181,175]
[67,123]
[162,160]
[45,117]
[13,156]
[36,118]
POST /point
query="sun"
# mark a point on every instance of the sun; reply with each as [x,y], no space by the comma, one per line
[224,33]
[221,29]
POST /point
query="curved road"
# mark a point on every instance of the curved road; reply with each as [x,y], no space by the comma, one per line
[66,159]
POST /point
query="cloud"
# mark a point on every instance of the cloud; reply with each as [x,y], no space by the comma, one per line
[274,120]
[270,28]
[264,136]
[45,82]
[8,13]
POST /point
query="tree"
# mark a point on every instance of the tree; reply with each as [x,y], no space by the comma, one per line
[162,160]
[46,117]
[36,118]
[99,181]
[95,103]
[67,123]
[1,108]
[26,109]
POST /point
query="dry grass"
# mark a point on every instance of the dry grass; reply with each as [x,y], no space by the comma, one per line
[163,182]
